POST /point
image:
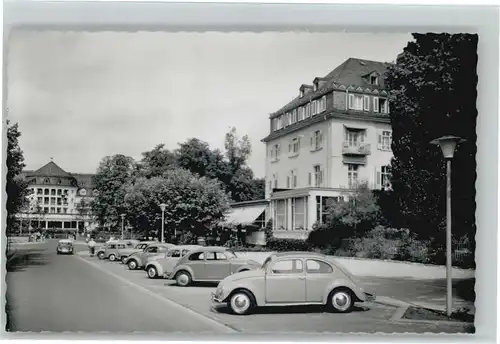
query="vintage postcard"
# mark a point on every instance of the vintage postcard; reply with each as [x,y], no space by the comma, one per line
[241,182]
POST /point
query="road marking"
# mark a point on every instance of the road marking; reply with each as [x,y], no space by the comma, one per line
[171,303]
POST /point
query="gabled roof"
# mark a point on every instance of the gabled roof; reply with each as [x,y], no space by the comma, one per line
[349,73]
[50,170]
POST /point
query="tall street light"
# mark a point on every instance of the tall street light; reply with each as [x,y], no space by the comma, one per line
[448,145]
[162,207]
[123,224]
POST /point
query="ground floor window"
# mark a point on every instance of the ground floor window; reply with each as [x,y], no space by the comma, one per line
[299,212]
[280,211]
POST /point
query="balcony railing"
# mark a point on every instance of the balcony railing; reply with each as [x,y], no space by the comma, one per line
[358,149]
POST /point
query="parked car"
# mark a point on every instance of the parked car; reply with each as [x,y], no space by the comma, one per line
[65,246]
[209,264]
[138,260]
[161,264]
[111,249]
[125,252]
[292,278]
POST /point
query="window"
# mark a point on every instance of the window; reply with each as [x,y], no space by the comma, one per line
[220,256]
[210,256]
[152,249]
[280,122]
[288,119]
[59,201]
[184,252]
[314,107]
[280,211]
[383,177]
[39,191]
[53,210]
[65,192]
[318,176]
[65,210]
[323,203]
[316,140]
[374,80]
[293,178]
[375,104]
[276,182]
[288,182]
[314,266]
[53,192]
[47,181]
[197,256]
[308,110]
[294,146]
[46,210]
[273,124]
[385,140]
[355,101]
[174,254]
[353,138]
[59,192]
[315,86]
[52,201]
[294,116]
[111,245]
[298,213]
[301,113]
[322,104]
[40,199]
[47,191]
[58,210]
[275,152]
[352,175]
[366,103]
[383,105]
[290,266]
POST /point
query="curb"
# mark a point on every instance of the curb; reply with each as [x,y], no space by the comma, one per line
[225,328]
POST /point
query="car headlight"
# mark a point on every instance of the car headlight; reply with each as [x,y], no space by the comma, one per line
[219,292]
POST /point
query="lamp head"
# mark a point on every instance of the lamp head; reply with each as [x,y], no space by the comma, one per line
[448,145]
[163,206]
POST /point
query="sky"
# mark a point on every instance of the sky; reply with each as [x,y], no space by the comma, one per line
[81,96]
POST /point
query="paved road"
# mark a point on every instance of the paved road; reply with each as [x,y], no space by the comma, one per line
[48,292]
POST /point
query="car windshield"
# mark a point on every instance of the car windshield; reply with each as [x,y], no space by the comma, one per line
[230,254]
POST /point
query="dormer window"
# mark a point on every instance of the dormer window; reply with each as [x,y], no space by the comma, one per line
[301,93]
[374,80]
[315,86]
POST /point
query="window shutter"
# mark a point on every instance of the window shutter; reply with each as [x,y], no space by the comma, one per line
[379,140]
[290,147]
[312,141]
[387,106]
[323,103]
[321,138]
[309,179]
[278,151]
[288,182]
[366,103]
[321,178]
[375,104]
[351,101]
[378,177]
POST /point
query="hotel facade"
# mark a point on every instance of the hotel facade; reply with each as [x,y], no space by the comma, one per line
[58,200]
[334,135]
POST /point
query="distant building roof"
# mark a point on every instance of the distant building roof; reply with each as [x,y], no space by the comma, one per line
[50,170]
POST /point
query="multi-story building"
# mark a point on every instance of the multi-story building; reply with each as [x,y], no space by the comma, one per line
[335,134]
[57,200]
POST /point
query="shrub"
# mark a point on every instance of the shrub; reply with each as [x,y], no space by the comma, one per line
[277,244]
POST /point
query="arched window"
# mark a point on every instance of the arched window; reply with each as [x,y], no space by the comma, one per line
[47,181]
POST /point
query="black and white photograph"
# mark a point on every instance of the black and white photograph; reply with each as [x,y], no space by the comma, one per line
[240,182]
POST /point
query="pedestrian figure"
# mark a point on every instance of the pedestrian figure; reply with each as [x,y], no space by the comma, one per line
[92,247]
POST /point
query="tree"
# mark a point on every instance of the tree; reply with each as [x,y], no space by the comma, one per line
[353,217]
[237,150]
[193,204]
[433,93]
[113,174]
[155,162]
[16,186]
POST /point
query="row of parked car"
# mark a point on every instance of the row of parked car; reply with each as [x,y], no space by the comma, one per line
[284,279]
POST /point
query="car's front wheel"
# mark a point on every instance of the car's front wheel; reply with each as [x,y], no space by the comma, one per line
[112,257]
[241,302]
[132,264]
[183,278]
[100,255]
[341,300]
[152,272]
[124,258]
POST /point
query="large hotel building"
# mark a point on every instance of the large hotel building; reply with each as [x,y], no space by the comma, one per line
[335,134]
[57,200]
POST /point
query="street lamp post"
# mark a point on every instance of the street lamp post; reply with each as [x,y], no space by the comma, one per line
[123,224]
[162,207]
[448,145]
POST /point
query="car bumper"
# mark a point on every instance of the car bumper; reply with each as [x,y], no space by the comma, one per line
[215,299]
[370,297]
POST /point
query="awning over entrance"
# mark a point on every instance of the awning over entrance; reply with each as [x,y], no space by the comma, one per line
[244,215]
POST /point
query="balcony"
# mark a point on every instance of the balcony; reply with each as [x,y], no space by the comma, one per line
[362,149]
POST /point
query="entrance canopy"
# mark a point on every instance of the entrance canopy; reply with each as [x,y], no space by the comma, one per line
[246,215]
